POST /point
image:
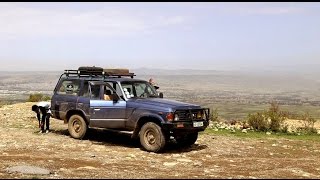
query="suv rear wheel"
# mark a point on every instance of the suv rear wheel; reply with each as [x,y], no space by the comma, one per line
[151,137]
[77,127]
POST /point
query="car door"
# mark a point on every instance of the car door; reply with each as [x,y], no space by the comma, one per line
[65,98]
[106,113]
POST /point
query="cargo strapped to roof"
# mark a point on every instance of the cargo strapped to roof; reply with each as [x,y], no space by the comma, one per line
[98,71]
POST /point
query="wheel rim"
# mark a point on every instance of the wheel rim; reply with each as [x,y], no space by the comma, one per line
[150,137]
[77,126]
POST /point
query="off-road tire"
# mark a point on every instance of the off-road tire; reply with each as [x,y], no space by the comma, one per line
[151,137]
[187,140]
[77,126]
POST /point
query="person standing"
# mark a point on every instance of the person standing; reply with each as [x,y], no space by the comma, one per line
[43,108]
[153,83]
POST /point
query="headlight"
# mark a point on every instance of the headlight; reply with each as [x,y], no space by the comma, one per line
[176,117]
[200,115]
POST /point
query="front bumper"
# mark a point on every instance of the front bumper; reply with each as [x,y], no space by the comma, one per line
[185,126]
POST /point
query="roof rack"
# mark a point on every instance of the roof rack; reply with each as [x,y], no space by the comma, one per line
[97,71]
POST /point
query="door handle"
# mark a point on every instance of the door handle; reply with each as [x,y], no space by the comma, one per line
[97,109]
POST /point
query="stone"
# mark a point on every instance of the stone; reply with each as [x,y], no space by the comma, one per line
[198,163]
[175,155]
[86,167]
[28,170]
[252,177]
[306,175]
[132,155]
[184,160]
[170,164]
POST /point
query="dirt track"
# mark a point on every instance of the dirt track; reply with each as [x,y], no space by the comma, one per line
[106,154]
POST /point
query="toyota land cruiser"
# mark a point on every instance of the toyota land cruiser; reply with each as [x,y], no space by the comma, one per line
[132,105]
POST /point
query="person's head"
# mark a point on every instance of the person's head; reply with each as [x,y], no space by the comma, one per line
[151,81]
[108,92]
[35,108]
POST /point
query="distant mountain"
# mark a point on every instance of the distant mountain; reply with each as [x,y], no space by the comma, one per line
[148,71]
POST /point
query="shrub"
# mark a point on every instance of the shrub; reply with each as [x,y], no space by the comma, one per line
[308,122]
[258,121]
[2,103]
[273,119]
[276,116]
[46,98]
[38,97]
[214,115]
[285,129]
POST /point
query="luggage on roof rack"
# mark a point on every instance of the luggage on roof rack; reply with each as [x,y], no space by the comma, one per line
[116,71]
[99,71]
[90,70]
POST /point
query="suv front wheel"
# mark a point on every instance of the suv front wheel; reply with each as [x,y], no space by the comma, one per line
[77,127]
[152,137]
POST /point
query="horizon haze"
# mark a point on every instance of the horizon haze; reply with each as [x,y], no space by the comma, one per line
[245,36]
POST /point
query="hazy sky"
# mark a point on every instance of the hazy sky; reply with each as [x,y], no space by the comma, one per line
[207,35]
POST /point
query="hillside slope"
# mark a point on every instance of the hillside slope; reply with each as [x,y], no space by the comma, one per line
[106,154]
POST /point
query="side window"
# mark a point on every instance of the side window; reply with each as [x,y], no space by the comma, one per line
[69,87]
[116,87]
[140,89]
[128,90]
[95,91]
[86,92]
[107,94]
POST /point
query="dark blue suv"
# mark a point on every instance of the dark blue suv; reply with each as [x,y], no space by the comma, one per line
[93,97]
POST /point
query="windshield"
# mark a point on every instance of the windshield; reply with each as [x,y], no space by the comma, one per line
[138,89]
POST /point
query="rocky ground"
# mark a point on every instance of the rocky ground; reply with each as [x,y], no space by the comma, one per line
[106,154]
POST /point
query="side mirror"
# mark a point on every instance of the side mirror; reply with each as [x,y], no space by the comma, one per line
[161,95]
[156,87]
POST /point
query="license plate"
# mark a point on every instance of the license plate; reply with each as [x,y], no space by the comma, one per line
[197,124]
